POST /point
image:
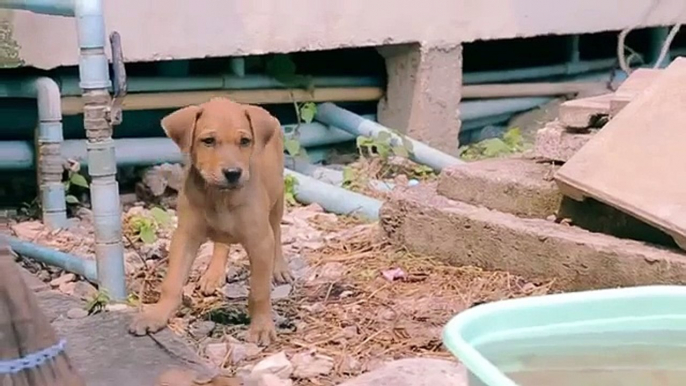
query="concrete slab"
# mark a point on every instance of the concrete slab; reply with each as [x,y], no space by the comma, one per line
[414,372]
[637,162]
[585,112]
[634,85]
[555,143]
[525,188]
[513,185]
[460,234]
[106,355]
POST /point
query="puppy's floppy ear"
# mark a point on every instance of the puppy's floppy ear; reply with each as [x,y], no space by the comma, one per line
[263,125]
[180,126]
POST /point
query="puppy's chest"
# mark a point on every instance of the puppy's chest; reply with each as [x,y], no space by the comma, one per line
[222,224]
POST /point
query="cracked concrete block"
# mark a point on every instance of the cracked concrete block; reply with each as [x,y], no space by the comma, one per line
[460,234]
[585,112]
[555,143]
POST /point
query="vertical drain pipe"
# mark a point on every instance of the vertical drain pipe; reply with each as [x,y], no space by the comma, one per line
[48,154]
[94,83]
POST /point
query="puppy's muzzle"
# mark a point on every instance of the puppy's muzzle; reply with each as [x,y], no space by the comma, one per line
[233,176]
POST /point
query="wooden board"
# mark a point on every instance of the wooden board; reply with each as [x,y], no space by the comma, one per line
[637,162]
[634,85]
[583,113]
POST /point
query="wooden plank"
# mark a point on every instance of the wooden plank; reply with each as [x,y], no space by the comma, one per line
[635,84]
[168,100]
[637,162]
[585,112]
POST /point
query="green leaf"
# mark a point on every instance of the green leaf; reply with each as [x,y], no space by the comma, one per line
[383,150]
[383,136]
[307,112]
[67,185]
[147,235]
[400,151]
[71,199]
[161,216]
[292,146]
[494,146]
[78,180]
[348,174]
[513,137]
[363,141]
[302,154]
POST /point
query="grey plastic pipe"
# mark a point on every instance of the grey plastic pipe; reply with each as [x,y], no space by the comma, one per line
[71,263]
[46,7]
[333,198]
[333,115]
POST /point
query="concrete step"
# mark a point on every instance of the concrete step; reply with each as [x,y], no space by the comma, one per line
[555,143]
[525,188]
[460,234]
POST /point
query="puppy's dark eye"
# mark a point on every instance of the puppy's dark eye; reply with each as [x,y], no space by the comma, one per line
[245,141]
[209,141]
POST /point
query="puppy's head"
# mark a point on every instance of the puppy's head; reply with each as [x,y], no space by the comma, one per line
[221,138]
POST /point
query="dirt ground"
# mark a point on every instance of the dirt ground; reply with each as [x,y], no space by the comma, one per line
[356,303]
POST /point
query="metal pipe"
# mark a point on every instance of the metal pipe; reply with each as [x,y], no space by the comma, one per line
[333,198]
[46,7]
[49,157]
[472,110]
[70,86]
[572,68]
[333,115]
[94,80]
[71,263]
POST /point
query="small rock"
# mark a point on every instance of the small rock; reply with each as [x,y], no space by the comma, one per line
[216,352]
[235,291]
[311,365]
[281,292]
[350,365]
[276,364]
[77,313]
[117,307]
[44,275]
[84,290]
[66,278]
[350,332]
[232,274]
[28,230]
[67,288]
[315,308]
[244,372]
[551,218]
[202,329]
[240,351]
[271,380]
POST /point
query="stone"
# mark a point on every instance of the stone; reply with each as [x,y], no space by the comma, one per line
[350,365]
[276,364]
[585,112]
[414,372]
[66,278]
[77,313]
[235,290]
[281,291]
[310,364]
[67,288]
[272,380]
[28,230]
[84,290]
[460,234]
[423,93]
[118,307]
[202,329]
[241,351]
[217,353]
[555,143]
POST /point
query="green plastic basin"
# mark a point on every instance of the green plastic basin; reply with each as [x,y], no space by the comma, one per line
[624,337]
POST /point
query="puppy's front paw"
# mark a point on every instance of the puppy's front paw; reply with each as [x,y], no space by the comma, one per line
[262,331]
[146,322]
[282,274]
[210,281]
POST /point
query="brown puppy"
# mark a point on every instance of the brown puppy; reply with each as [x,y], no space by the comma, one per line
[233,193]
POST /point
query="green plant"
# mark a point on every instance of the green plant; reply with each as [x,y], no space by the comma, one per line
[144,228]
[290,182]
[385,144]
[74,179]
[98,302]
[511,142]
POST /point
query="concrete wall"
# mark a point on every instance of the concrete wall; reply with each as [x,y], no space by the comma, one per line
[178,29]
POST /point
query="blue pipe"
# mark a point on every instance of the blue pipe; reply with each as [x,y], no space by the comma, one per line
[333,115]
[478,109]
[46,7]
[71,263]
[332,198]
[572,68]
[94,81]
[70,87]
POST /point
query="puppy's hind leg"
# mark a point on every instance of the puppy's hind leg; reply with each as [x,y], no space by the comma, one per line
[215,275]
[282,273]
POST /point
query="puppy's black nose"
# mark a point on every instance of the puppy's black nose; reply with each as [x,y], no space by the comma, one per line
[233,175]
